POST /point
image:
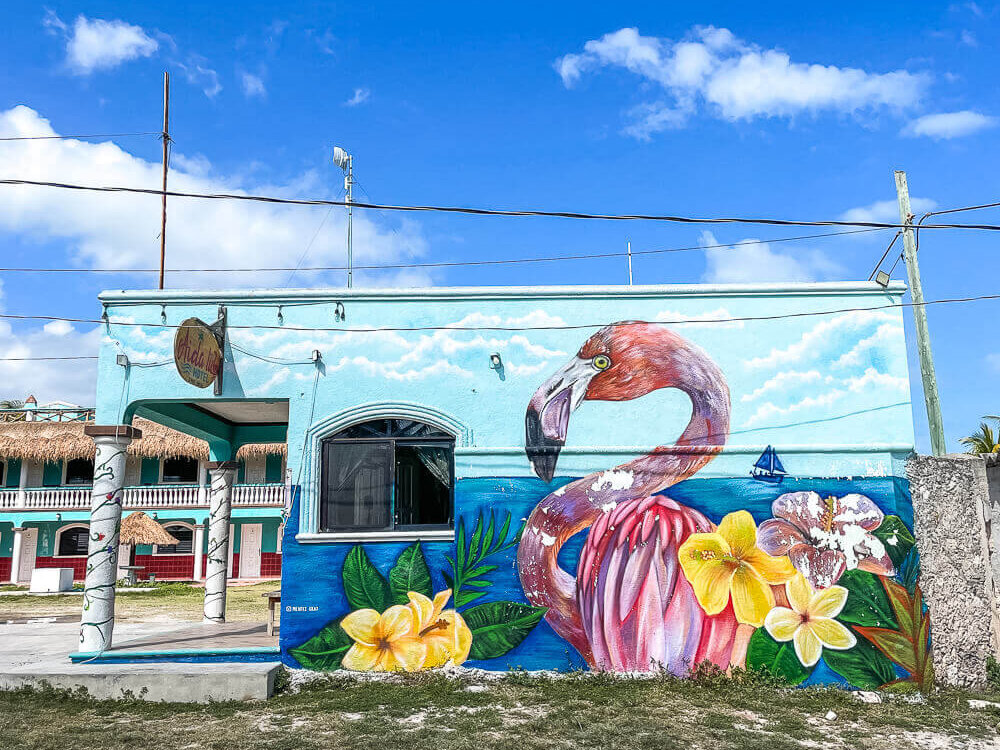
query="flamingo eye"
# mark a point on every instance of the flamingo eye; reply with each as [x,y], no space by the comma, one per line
[601,362]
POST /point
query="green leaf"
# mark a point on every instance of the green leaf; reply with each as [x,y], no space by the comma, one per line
[863,666]
[365,587]
[477,535]
[867,603]
[779,659]
[898,539]
[467,597]
[894,645]
[410,573]
[488,538]
[498,627]
[480,571]
[325,650]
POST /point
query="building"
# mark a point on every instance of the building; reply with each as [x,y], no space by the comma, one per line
[46,474]
[614,478]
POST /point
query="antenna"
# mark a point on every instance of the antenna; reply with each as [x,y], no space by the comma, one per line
[346,162]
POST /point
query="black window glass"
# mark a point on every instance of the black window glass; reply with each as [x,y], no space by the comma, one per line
[180,470]
[184,537]
[387,474]
[73,542]
[80,471]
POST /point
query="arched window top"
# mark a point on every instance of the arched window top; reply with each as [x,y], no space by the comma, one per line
[392,428]
[72,541]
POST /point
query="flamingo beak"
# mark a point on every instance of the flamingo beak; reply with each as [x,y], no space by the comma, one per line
[546,422]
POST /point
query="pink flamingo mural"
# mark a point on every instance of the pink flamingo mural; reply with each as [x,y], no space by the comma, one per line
[629,607]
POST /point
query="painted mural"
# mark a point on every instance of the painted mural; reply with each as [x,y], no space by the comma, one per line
[635,567]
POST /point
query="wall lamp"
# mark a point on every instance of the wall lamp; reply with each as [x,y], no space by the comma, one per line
[495,362]
[882,279]
[281,318]
[338,312]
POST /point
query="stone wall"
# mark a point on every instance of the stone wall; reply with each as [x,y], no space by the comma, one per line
[953,521]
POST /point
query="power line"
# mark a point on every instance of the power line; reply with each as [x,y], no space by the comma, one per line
[564,327]
[491,211]
[76,137]
[439,264]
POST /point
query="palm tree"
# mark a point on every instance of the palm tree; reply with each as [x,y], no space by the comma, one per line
[983,440]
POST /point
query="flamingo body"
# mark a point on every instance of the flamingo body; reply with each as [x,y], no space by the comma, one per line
[629,607]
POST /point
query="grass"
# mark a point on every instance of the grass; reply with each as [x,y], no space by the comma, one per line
[176,600]
[526,712]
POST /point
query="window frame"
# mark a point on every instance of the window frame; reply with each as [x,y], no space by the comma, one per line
[416,531]
[63,530]
[65,473]
[166,526]
[163,470]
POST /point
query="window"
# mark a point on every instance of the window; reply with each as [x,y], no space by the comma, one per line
[185,541]
[180,470]
[80,471]
[73,541]
[387,474]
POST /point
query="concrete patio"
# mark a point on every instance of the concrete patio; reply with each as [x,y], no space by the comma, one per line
[38,654]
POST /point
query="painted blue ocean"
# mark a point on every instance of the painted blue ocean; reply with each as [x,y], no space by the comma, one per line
[313,595]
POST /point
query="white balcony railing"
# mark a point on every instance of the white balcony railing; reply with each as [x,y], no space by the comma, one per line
[135,498]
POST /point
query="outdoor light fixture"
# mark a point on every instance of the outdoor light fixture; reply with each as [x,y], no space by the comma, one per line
[882,279]
[121,359]
[316,356]
[338,312]
[281,318]
[163,314]
[495,362]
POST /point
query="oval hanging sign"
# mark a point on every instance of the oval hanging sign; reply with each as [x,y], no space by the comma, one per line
[196,353]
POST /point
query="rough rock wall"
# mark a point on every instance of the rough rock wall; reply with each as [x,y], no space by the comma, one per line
[953,517]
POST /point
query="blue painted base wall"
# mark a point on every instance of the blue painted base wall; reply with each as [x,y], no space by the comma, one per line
[313,593]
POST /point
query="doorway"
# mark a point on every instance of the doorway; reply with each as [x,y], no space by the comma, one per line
[29,544]
[251,535]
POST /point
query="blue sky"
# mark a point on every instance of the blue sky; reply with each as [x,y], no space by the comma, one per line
[714,109]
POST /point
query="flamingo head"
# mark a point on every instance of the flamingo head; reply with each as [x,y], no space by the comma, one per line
[620,362]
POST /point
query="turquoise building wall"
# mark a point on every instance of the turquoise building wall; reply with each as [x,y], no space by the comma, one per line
[817,371]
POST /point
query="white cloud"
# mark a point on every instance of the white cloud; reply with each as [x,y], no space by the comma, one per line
[96,44]
[752,260]
[886,212]
[197,72]
[712,69]
[360,97]
[993,360]
[947,125]
[785,380]
[253,85]
[122,230]
[58,328]
[968,38]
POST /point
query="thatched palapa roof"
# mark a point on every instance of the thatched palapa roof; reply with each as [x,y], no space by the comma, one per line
[138,528]
[58,441]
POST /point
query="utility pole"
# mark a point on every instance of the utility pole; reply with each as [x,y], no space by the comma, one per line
[166,149]
[349,185]
[628,250]
[927,376]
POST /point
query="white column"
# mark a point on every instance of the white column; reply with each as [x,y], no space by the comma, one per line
[223,474]
[199,546]
[98,620]
[15,558]
[202,482]
[22,484]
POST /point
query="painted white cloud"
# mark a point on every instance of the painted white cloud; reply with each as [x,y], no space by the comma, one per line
[706,321]
[712,70]
[947,125]
[253,85]
[851,362]
[360,97]
[838,333]
[756,261]
[94,44]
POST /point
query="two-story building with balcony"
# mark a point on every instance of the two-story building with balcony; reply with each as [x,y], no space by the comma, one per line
[46,475]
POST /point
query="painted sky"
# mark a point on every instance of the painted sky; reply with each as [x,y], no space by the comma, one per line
[715,109]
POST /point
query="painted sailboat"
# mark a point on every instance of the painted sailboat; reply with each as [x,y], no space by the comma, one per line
[768,467]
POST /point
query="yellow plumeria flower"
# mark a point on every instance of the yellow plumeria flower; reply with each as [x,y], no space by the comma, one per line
[809,623]
[383,643]
[444,633]
[727,563]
